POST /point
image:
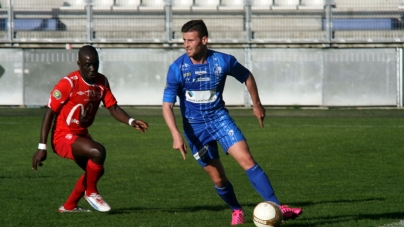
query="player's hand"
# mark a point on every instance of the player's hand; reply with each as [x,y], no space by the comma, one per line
[140,125]
[179,144]
[38,158]
[259,112]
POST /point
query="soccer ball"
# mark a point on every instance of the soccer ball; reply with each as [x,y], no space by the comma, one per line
[267,214]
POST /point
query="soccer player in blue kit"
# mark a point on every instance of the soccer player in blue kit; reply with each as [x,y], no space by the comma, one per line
[198,78]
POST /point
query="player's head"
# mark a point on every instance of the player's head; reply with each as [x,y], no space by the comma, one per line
[88,63]
[195,36]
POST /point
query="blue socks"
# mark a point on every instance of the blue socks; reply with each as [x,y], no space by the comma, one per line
[261,184]
[228,195]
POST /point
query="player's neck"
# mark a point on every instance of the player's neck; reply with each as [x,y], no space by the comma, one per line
[200,58]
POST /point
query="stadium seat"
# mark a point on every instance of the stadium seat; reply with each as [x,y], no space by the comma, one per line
[231,5]
[285,4]
[152,5]
[205,5]
[261,5]
[311,4]
[182,5]
[73,5]
[37,5]
[103,4]
[126,5]
[367,5]
[81,4]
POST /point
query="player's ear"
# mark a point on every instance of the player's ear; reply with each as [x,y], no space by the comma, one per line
[204,40]
[78,63]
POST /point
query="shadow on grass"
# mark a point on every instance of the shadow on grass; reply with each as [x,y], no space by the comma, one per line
[321,221]
[311,203]
[169,210]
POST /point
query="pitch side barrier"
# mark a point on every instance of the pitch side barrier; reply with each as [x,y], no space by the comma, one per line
[312,77]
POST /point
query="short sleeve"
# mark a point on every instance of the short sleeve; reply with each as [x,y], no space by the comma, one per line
[172,86]
[60,94]
[237,70]
[109,99]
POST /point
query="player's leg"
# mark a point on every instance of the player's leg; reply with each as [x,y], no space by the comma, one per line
[63,148]
[225,190]
[90,156]
[259,180]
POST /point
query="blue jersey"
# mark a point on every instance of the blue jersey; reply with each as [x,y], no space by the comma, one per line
[200,87]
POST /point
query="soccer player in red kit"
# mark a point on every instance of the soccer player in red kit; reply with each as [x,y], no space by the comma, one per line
[72,105]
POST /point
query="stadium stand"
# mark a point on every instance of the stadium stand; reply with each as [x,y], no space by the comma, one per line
[367,5]
[203,5]
[182,5]
[231,5]
[145,20]
[126,5]
[311,5]
[261,5]
[152,5]
[285,4]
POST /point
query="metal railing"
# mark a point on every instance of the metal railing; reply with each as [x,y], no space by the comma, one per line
[239,21]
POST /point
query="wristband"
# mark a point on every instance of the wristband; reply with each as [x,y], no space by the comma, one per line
[130,121]
[41,146]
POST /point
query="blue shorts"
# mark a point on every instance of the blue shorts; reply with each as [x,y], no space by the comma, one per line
[202,138]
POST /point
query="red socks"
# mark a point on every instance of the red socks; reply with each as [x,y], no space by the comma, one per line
[94,173]
[76,194]
[86,183]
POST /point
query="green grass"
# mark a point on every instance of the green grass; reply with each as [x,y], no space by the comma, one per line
[343,167]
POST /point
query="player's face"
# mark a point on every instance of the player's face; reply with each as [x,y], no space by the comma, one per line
[88,65]
[194,45]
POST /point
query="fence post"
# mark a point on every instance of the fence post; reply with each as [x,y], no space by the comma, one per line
[89,12]
[247,8]
[169,19]
[10,22]
[328,15]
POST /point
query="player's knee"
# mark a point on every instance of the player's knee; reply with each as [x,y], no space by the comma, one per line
[220,182]
[99,153]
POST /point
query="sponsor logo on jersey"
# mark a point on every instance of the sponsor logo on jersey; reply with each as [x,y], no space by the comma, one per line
[57,94]
[217,69]
[184,66]
[201,71]
[201,79]
[69,136]
[187,74]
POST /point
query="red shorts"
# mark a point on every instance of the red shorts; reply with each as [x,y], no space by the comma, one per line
[63,145]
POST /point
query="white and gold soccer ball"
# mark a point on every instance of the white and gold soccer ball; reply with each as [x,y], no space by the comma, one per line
[267,214]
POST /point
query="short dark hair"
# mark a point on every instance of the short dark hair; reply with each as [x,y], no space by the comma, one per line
[87,50]
[195,25]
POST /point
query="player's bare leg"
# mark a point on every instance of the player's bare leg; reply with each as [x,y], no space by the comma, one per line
[87,149]
[225,189]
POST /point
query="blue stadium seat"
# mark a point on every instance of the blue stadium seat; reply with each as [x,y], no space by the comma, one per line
[32,24]
[348,24]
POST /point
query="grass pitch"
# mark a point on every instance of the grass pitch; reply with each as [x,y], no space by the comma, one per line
[343,167]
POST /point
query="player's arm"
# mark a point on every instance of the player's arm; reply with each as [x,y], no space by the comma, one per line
[169,117]
[40,154]
[259,110]
[120,115]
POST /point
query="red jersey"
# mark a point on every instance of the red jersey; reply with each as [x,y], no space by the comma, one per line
[76,102]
